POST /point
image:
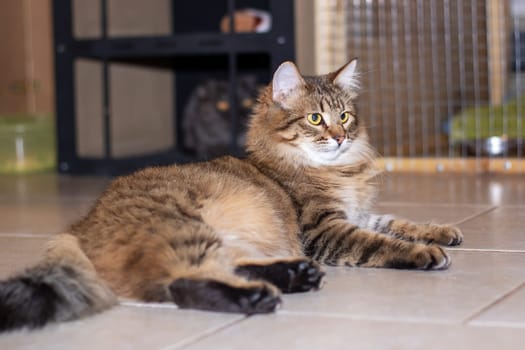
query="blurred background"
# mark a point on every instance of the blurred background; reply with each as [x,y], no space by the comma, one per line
[109,86]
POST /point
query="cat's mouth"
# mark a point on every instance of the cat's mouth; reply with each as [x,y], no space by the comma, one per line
[325,153]
[330,151]
[333,147]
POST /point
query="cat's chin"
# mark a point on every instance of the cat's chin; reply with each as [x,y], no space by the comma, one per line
[349,153]
[326,154]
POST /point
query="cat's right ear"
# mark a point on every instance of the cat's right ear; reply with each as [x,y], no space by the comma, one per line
[286,79]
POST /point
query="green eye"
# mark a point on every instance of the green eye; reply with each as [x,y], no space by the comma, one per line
[314,118]
[345,116]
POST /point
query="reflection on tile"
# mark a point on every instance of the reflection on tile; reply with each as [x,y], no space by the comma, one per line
[122,328]
[453,188]
[293,332]
[31,188]
[40,217]
[17,253]
[507,312]
[440,296]
[500,229]
[442,214]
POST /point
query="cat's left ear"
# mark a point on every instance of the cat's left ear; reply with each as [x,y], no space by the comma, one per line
[347,76]
[286,79]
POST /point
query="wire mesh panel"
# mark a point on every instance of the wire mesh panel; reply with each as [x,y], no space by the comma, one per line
[442,79]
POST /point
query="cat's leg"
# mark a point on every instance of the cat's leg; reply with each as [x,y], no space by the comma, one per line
[336,242]
[184,263]
[290,275]
[224,294]
[429,233]
[205,277]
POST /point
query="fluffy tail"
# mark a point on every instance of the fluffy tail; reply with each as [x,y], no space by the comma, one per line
[64,286]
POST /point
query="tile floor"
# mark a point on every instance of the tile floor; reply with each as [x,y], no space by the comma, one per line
[478,303]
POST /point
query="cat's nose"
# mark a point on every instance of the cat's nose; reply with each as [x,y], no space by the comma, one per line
[339,139]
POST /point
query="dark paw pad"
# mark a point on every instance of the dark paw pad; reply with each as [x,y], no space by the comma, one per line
[304,276]
[258,300]
[290,276]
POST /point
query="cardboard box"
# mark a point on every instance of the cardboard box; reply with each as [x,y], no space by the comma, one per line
[26,63]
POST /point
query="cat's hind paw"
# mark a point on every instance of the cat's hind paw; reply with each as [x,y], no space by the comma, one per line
[214,295]
[305,276]
[290,276]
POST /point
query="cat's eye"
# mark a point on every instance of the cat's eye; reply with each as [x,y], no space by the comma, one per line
[247,103]
[222,105]
[345,116]
[314,118]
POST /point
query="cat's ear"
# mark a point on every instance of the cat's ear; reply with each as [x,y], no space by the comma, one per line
[286,79]
[347,76]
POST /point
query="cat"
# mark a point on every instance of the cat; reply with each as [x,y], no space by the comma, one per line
[231,235]
[207,119]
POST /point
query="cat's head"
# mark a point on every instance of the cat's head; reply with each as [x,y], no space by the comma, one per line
[311,121]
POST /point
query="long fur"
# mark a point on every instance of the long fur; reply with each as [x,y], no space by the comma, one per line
[231,235]
[63,287]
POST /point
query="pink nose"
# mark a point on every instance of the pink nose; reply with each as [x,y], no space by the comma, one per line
[339,139]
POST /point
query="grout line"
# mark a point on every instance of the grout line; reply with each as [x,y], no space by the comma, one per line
[486,250]
[26,235]
[512,206]
[431,204]
[498,324]
[473,216]
[139,304]
[46,199]
[366,318]
[493,303]
[191,340]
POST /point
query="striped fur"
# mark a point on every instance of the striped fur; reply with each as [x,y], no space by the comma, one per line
[333,197]
[230,235]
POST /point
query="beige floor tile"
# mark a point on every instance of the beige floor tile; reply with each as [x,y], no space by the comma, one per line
[17,253]
[358,308]
[500,229]
[453,188]
[40,217]
[308,332]
[122,328]
[474,280]
[442,214]
[508,312]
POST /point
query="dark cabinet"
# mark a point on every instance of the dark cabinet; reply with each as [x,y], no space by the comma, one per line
[130,75]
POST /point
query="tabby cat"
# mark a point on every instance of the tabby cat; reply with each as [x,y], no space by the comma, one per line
[232,234]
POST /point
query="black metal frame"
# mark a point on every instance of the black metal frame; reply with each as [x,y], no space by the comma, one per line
[278,44]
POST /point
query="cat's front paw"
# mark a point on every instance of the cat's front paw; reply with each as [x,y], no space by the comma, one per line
[444,235]
[432,257]
[420,257]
